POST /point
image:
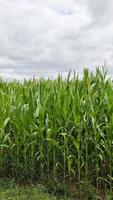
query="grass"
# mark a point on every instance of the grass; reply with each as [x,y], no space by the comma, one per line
[24,193]
[58,132]
[9,190]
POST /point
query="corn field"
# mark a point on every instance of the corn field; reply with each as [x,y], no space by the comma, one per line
[58,129]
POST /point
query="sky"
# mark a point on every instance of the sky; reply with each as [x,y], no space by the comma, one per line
[45,37]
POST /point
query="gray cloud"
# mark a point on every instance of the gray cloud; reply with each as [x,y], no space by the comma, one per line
[46,37]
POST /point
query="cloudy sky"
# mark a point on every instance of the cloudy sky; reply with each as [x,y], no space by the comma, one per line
[44,37]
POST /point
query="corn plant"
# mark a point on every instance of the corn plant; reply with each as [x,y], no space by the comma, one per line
[58,129]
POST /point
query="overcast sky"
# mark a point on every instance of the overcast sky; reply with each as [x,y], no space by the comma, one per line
[44,37]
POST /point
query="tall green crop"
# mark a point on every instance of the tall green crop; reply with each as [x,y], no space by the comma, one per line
[58,129]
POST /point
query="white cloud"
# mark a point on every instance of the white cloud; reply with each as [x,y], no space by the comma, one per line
[45,37]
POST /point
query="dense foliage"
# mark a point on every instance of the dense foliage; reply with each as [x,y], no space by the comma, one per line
[59,129]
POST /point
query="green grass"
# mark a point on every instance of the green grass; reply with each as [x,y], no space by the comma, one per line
[11,190]
[37,193]
[58,131]
[27,193]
